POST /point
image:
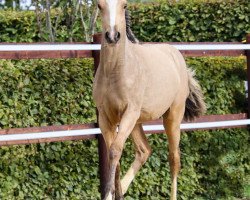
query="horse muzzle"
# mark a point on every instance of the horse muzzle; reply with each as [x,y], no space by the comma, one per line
[112,38]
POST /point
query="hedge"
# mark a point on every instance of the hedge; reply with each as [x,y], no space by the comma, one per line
[215,164]
[194,21]
[18,27]
[42,92]
[21,26]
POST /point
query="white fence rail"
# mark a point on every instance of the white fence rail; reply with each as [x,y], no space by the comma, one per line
[94,131]
[77,47]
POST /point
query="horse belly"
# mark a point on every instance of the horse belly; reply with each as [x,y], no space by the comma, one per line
[155,109]
[160,93]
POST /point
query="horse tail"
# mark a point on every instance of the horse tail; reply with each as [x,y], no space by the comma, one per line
[195,105]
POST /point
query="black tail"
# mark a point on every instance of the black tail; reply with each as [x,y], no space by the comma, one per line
[195,105]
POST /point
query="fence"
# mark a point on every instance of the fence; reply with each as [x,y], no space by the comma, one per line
[91,131]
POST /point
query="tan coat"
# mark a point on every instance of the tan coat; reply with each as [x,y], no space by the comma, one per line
[134,84]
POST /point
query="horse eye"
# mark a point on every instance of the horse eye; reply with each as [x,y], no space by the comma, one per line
[125,6]
[99,6]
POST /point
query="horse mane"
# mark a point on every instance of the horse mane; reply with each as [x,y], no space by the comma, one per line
[129,32]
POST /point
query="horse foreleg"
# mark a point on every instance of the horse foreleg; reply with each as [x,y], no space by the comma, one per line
[118,188]
[172,125]
[109,133]
[142,152]
[127,124]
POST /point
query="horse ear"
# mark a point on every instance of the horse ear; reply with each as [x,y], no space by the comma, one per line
[129,32]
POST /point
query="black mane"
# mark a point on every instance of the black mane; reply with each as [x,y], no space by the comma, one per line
[129,32]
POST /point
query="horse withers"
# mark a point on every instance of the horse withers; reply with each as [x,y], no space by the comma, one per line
[134,84]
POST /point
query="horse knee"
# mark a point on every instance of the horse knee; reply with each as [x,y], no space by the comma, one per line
[115,152]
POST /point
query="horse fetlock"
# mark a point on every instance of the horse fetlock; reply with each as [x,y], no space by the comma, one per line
[118,195]
[108,196]
[109,192]
[175,164]
[174,158]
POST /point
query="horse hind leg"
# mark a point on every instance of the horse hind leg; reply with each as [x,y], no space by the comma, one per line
[172,120]
[142,152]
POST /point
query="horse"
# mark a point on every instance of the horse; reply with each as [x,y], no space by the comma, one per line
[136,83]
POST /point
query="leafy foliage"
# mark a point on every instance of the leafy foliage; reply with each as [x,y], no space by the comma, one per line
[222,83]
[45,92]
[24,26]
[76,16]
[215,164]
[55,171]
[193,21]
[182,21]
[17,27]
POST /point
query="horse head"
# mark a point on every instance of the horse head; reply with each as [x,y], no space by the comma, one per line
[113,19]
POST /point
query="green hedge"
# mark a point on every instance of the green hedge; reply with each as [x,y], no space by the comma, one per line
[21,26]
[194,21]
[18,27]
[45,92]
[215,164]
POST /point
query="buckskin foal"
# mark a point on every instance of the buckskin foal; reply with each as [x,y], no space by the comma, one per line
[137,83]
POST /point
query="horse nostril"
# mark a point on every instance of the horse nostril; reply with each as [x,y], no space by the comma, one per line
[113,39]
[117,36]
[107,36]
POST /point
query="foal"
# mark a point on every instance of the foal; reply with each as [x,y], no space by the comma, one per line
[134,84]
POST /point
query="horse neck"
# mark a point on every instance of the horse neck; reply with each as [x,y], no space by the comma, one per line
[113,56]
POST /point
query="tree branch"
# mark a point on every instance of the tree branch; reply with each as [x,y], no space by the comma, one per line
[84,24]
[48,22]
[93,20]
[38,19]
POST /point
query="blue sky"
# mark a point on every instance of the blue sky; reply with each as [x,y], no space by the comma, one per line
[24,3]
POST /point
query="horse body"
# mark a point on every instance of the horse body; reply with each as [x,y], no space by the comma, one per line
[161,71]
[140,78]
[136,83]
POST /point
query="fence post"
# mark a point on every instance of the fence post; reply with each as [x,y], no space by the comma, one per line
[102,151]
[248,72]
